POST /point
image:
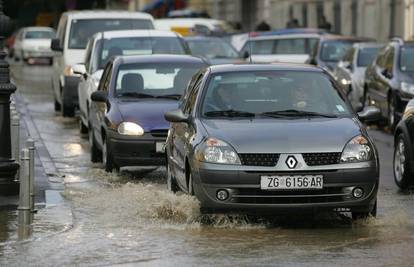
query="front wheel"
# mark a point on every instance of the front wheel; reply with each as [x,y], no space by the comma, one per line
[68,111]
[365,215]
[107,159]
[392,118]
[96,155]
[401,163]
[57,106]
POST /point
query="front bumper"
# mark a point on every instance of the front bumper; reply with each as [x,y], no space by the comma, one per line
[136,151]
[245,194]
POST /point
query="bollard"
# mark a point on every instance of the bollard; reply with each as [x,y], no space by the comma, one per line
[25,217]
[15,136]
[30,145]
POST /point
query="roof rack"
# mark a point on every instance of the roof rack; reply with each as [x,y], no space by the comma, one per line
[397,40]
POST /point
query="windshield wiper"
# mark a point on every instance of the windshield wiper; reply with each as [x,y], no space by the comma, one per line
[138,95]
[229,113]
[172,96]
[296,113]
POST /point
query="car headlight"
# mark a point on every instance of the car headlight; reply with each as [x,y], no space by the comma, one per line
[345,81]
[407,87]
[130,128]
[216,151]
[357,150]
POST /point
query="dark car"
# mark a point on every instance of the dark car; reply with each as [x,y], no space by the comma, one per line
[404,149]
[389,80]
[330,49]
[126,122]
[214,49]
[278,138]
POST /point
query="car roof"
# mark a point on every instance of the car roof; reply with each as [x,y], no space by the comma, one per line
[285,36]
[346,38]
[157,58]
[263,67]
[96,14]
[135,33]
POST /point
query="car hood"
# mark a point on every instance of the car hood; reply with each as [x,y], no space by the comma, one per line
[148,113]
[284,136]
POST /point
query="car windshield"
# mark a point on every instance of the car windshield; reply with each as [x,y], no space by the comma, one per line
[83,29]
[407,59]
[137,46]
[212,48]
[273,94]
[333,51]
[39,35]
[288,46]
[367,55]
[154,80]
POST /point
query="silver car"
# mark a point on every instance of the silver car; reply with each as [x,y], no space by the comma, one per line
[271,138]
[350,71]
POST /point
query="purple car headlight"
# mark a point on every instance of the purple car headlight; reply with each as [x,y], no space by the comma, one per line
[130,128]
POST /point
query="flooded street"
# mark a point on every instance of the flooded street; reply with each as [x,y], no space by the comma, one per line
[131,219]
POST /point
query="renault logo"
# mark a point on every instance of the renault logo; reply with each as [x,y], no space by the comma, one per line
[291,162]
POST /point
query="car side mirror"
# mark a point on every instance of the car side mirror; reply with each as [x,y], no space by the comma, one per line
[79,69]
[99,96]
[55,45]
[369,114]
[176,116]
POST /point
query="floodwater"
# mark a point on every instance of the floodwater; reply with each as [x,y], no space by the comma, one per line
[131,219]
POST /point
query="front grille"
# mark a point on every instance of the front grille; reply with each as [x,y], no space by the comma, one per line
[317,159]
[258,196]
[263,160]
[159,133]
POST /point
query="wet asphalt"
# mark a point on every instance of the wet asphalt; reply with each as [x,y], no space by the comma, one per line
[131,219]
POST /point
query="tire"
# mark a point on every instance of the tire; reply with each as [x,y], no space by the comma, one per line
[96,154]
[171,181]
[365,215]
[107,159]
[392,117]
[401,165]
[57,106]
[82,127]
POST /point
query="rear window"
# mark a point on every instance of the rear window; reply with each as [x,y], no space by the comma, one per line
[82,29]
[138,46]
[289,46]
[367,55]
[333,51]
[407,59]
[39,35]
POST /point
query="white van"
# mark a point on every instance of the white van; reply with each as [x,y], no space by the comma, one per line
[74,30]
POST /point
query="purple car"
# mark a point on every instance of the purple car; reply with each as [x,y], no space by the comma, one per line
[126,122]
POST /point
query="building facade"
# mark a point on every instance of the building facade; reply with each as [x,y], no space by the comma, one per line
[379,19]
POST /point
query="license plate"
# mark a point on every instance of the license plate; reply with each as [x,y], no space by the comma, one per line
[159,147]
[291,182]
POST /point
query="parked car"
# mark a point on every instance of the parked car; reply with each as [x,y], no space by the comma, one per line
[194,26]
[280,47]
[104,45]
[127,125]
[404,149]
[330,49]
[32,45]
[214,49]
[350,71]
[271,138]
[390,80]
[74,30]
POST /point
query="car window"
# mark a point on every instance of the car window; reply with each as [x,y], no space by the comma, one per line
[107,81]
[268,91]
[39,35]
[333,51]
[407,59]
[82,29]
[261,47]
[154,79]
[137,46]
[367,55]
[105,76]
[389,61]
[192,96]
[382,56]
[290,46]
[349,56]
[212,48]
[88,54]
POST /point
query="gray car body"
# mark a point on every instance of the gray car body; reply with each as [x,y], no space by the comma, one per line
[287,137]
